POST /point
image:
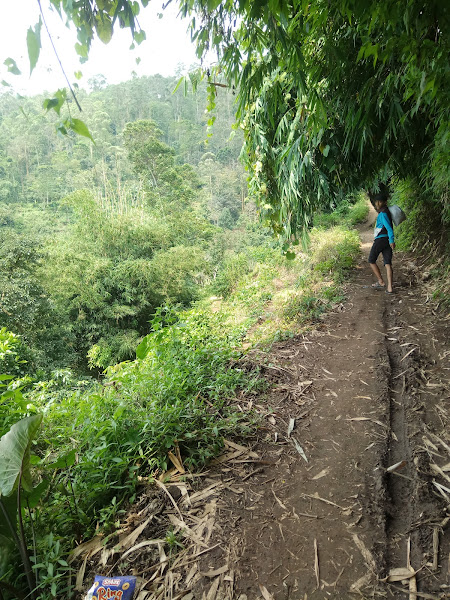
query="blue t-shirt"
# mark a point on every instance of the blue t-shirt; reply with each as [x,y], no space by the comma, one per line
[384,228]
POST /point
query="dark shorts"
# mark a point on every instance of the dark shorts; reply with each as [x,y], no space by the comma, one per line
[381,245]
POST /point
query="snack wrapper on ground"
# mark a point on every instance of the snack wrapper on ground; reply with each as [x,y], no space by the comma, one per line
[111,588]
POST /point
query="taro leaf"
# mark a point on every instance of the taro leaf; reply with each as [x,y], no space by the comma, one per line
[8,505]
[15,455]
[7,542]
[79,127]
[34,44]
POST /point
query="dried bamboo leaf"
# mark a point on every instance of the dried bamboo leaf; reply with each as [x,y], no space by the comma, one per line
[89,548]
[299,449]
[177,463]
[215,572]
[162,558]
[435,549]
[396,467]
[279,501]
[408,353]
[321,474]
[142,545]
[366,419]
[355,588]
[241,448]
[80,575]
[163,487]
[130,539]
[436,469]
[206,493]
[367,555]
[399,574]
[212,594]
[105,555]
[266,594]
[440,441]
[291,427]
[187,531]
[316,563]
[317,497]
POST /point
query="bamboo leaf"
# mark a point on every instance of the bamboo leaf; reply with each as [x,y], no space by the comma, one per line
[34,44]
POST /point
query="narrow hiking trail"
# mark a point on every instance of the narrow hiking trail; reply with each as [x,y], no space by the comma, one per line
[317,515]
[348,478]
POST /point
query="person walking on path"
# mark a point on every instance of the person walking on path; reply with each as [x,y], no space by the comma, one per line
[384,241]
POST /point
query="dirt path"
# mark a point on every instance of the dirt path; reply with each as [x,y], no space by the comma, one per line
[316,508]
[367,390]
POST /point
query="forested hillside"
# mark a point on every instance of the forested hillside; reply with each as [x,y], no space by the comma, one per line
[96,236]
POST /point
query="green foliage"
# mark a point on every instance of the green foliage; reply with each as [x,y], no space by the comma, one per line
[332,96]
[334,250]
[425,230]
[178,395]
[16,358]
[425,226]
[97,264]
[34,44]
[110,271]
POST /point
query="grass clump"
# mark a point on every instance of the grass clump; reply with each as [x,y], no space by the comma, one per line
[332,253]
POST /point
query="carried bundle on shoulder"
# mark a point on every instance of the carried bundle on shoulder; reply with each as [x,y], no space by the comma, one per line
[397,215]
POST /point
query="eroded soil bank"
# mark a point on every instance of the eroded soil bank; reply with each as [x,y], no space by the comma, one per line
[348,479]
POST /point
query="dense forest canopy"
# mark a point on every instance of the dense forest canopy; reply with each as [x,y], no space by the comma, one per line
[331,96]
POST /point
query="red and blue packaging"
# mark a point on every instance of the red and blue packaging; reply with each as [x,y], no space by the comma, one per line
[112,588]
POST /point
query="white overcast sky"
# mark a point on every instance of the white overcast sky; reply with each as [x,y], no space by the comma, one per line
[167,46]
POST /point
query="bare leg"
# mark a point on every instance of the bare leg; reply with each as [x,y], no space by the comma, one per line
[390,277]
[377,273]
